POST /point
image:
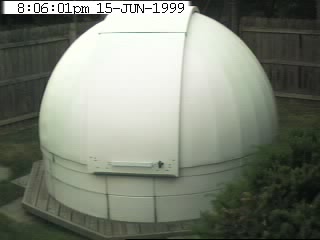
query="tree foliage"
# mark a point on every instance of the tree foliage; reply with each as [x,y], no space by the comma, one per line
[278,196]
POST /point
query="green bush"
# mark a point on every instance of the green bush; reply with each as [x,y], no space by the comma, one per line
[277,197]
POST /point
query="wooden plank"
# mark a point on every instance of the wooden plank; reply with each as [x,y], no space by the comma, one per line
[36,184]
[32,42]
[56,54]
[72,32]
[5,103]
[162,235]
[78,218]
[309,51]
[61,48]
[53,206]
[17,70]
[267,45]
[2,69]
[20,65]
[7,62]
[32,59]
[91,223]
[41,48]
[297,96]
[279,31]
[25,79]
[51,55]
[64,223]
[29,98]
[12,100]
[161,227]
[317,77]
[65,213]
[118,228]
[12,63]
[292,72]
[25,56]
[42,86]
[36,63]
[174,227]
[290,63]
[19,118]
[37,88]
[104,227]
[43,196]
[20,95]
[44,57]
[133,229]
[28,194]
[2,106]
[147,228]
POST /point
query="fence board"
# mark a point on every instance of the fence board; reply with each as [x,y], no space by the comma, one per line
[280,31]
[27,58]
[311,51]
[289,52]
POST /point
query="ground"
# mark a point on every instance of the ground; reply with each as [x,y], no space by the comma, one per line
[19,148]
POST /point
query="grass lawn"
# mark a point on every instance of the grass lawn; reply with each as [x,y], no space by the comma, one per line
[18,150]
[298,114]
[10,230]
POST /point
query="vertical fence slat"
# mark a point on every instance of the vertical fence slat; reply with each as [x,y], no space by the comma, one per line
[26,60]
[1,65]
[291,50]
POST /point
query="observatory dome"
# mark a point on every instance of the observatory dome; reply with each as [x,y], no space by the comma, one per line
[144,117]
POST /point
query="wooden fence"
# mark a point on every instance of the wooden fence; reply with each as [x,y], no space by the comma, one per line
[289,50]
[27,58]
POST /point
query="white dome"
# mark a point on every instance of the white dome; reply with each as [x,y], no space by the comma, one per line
[143,117]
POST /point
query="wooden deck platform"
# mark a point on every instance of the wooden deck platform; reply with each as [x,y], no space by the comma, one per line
[38,202]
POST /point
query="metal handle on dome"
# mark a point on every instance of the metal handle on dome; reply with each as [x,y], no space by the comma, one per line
[132,164]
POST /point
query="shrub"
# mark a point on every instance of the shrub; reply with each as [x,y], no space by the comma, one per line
[277,197]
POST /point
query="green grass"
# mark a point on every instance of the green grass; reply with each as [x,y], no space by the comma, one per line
[9,192]
[298,114]
[19,150]
[11,230]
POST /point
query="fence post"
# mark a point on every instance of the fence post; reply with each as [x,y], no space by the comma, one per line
[1,65]
[234,15]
